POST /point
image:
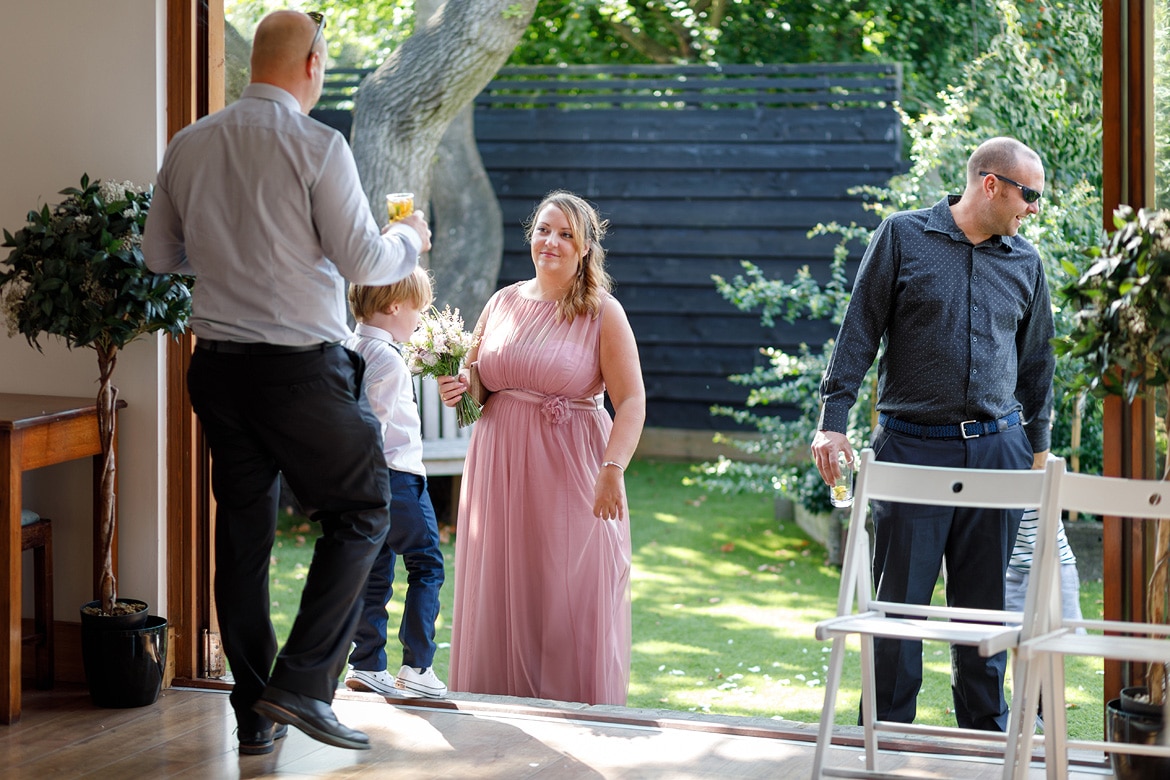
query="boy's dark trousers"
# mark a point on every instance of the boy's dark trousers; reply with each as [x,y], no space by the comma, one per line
[414,534]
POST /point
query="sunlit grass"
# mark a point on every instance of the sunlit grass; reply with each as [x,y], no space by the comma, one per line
[725,599]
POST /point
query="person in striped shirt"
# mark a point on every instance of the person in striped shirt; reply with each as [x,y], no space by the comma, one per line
[1020,566]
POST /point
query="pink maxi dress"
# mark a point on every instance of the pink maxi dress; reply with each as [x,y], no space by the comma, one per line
[542,587]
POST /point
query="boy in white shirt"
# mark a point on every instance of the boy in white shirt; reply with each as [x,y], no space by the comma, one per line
[387,316]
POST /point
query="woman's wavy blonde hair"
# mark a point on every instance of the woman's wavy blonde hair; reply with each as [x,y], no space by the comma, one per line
[590,285]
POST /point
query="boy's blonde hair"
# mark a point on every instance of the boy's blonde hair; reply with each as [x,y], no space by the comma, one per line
[415,290]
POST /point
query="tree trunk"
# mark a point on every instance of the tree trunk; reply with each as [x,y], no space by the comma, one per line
[1156,596]
[1158,587]
[237,65]
[466,222]
[402,113]
[107,400]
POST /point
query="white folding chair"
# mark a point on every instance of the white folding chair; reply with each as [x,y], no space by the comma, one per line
[858,612]
[1050,637]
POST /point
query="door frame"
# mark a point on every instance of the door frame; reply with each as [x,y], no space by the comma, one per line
[195,79]
[194,88]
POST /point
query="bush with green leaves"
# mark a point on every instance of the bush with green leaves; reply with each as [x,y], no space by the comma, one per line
[778,457]
[1121,331]
[1036,82]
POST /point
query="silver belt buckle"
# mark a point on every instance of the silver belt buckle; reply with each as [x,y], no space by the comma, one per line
[963,429]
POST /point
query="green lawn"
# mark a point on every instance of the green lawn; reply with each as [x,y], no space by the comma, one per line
[724,602]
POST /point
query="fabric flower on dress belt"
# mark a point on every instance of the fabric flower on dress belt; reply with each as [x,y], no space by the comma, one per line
[555,409]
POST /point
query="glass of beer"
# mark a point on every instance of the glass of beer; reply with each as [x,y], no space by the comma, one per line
[399,205]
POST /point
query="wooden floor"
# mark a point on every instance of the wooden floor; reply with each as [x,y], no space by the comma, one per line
[190,733]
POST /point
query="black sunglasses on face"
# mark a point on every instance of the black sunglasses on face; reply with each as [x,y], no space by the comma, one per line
[1030,195]
[319,18]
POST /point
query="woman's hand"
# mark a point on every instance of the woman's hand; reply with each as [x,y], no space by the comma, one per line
[452,388]
[609,493]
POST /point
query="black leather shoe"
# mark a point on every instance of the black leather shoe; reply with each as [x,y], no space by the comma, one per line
[257,743]
[312,716]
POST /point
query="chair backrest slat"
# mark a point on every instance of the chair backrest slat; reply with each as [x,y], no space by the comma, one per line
[929,485]
[1146,499]
[993,488]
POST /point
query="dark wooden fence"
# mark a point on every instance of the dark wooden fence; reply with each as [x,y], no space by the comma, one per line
[697,169]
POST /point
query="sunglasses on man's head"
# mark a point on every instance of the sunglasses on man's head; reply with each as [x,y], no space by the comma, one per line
[319,18]
[1030,195]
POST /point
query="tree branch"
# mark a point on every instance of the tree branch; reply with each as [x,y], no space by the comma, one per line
[647,46]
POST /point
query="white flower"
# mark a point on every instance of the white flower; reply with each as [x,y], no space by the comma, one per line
[440,343]
[12,301]
[114,191]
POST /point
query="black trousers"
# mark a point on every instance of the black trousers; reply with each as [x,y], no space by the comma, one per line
[910,545]
[301,415]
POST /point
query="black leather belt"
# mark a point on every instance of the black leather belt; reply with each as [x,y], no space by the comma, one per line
[256,348]
[970,429]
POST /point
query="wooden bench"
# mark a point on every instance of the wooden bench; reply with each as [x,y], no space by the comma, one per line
[444,442]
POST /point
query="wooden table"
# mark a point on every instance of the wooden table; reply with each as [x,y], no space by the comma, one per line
[35,431]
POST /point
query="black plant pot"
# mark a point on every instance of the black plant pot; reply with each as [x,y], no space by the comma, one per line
[1136,701]
[91,617]
[1135,729]
[124,667]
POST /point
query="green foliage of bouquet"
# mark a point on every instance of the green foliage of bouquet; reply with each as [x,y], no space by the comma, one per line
[438,348]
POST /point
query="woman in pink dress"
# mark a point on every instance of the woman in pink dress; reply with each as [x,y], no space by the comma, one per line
[542,550]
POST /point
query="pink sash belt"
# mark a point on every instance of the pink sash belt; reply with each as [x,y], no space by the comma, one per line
[557,408]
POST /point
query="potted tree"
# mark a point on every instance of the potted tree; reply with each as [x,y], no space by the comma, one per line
[1121,310]
[76,271]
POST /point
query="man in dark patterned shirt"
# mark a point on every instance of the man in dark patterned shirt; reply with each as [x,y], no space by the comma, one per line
[960,304]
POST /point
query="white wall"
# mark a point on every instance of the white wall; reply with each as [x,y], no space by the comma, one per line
[83,92]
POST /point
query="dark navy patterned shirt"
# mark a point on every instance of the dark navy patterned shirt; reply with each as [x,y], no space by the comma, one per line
[964,329]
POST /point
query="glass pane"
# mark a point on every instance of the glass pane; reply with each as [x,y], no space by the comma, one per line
[240,19]
[1162,103]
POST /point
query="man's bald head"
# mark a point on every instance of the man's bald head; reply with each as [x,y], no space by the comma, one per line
[999,155]
[281,55]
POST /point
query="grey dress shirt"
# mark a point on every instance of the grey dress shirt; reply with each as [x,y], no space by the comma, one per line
[263,205]
[966,329]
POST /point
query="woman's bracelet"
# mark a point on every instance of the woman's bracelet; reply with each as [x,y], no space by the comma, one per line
[615,464]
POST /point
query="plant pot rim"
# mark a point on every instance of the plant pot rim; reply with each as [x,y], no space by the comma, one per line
[98,603]
[1128,702]
[93,619]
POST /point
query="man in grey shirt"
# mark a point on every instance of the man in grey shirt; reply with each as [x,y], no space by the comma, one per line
[262,204]
[960,304]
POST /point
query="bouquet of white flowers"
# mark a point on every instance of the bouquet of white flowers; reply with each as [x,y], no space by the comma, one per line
[437,348]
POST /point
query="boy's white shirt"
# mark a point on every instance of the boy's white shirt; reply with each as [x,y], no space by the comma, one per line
[389,387]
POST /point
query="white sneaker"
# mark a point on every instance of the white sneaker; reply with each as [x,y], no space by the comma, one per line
[415,683]
[379,682]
